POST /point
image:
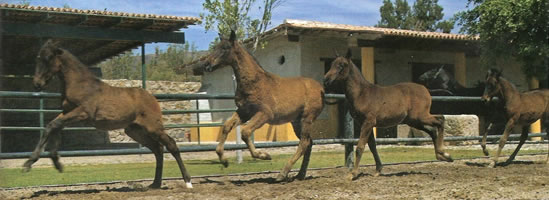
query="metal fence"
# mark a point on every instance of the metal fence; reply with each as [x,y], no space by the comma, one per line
[348,134]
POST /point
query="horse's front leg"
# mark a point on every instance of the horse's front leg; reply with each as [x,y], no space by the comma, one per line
[365,132]
[304,148]
[258,120]
[484,137]
[52,129]
[227,127]
[508,128]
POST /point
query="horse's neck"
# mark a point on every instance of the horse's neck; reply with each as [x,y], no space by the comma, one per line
[356,84]
[509,93]
[75,75]
[247,71]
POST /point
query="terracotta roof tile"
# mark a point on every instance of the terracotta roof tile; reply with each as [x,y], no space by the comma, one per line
[98,12]
[304,24]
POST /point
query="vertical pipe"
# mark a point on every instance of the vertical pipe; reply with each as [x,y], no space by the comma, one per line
[41,114]
[198,121]
[238,141]
[143,67]
[348,133]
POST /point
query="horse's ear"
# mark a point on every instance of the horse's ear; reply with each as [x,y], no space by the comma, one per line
[233,36]
[349,55]
[336,53]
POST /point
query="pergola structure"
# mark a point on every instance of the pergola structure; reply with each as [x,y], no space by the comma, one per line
[91,35]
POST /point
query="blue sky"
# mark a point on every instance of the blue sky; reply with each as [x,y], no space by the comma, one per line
[354,12]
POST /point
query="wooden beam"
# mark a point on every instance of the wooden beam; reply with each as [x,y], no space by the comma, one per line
[96,33]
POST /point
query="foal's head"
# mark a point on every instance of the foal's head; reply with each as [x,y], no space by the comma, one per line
[222,54]
[491,85]
[340,69]
[48,64]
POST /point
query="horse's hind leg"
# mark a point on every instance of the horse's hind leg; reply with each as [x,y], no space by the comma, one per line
[227,127]
[438,137]
[373,149]
[258,120]
[56,141]
[303,149]
[53,127]
[170,144]
[139,134]
[523,137]
[508,127]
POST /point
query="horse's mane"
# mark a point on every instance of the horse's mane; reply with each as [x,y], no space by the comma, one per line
[250,55]
[72,61]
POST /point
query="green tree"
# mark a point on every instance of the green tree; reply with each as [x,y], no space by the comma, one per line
[121,67]
[228,15]
[511,28]
[424,15]
[395,16]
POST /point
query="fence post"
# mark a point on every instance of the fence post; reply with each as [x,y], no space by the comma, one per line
[348,133]
[238,141]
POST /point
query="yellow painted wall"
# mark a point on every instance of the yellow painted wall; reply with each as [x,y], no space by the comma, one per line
[267,132]
[535,127]
[460,68]
[368,67]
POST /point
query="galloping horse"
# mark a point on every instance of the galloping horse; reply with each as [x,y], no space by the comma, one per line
[88,99]
[373,105]
[520,108]
[441,83]
[262,97]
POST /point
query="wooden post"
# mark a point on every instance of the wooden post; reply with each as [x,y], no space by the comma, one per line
[535,127]
[368,68]
[460,69]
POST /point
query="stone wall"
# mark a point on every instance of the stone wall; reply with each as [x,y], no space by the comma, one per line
[162,87]
[454,125]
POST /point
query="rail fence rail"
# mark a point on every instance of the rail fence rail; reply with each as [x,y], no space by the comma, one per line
[348,139]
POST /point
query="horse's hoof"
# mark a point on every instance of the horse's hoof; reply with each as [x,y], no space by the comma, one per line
[300,177]
[377,173]
[189,185]
[351,177]
[58,166]
[155,185]
[486,153]
[445,157]
[281,178]
[264,156]
[27,166]
[225,163]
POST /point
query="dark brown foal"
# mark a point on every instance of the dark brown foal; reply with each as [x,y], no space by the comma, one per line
[373,105]
[519,109]
[88,99]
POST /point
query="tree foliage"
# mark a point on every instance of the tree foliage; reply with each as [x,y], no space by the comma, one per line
[228,15]
[160,66]
[424,15]
[511,28]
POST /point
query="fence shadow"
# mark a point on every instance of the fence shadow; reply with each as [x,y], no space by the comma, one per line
[133,188]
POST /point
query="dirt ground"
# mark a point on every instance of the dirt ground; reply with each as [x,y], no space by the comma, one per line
[527,178]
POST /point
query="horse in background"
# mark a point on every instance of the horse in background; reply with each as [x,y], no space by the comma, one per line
[440,82]
[262,97]
[519,109]
[87,99]
[384,106]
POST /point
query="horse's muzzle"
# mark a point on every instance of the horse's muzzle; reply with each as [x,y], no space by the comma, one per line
[327,82]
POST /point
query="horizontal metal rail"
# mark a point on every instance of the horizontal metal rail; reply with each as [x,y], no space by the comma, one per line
[165,112]
[197,148]
[93,129]
[11,94]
